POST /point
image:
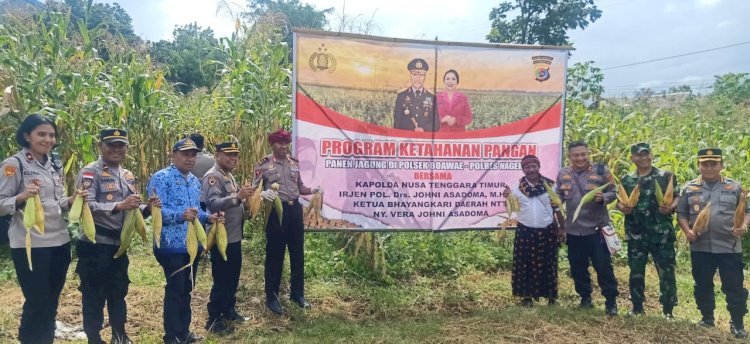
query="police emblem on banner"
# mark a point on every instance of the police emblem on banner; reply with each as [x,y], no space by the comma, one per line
[322,60]
[541,67]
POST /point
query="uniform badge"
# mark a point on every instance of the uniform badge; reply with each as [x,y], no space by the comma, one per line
[106,174]
[29,157]
[86,183]
[10,171]
[406,112]
[728,187]
[110,187]
[567,177]
[697,207]
[212,181]
[88,179]
[110,197]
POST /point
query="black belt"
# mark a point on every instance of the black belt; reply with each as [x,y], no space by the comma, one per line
[106,232]
[290,203]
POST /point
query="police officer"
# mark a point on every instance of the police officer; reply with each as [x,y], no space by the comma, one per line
[104,279]
[283,169]
[28,173]
[415,106]
[220,193]
[649,229]
[584,242]
[179,192]
[719,246]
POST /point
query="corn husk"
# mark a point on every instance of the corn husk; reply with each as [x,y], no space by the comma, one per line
[701,221]
[87,223]
[739,213]
[588,197]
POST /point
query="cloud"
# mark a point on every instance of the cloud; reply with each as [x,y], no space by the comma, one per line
[706,3]
[725,24]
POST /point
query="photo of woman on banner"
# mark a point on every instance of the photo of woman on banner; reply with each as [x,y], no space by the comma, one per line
[453,106]
[415,106]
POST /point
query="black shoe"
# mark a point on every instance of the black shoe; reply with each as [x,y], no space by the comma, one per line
[234,316]
[637,310]
[300,301]
[611,311]
[121,340]
[216,325]
[668,316]
[706,322]
[551,301]
[737,331]
[585,303]
[274,306]
[527,302]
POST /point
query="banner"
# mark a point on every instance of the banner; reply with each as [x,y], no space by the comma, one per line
[421,135]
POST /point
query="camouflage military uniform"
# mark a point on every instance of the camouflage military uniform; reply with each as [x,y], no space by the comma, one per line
[649,231]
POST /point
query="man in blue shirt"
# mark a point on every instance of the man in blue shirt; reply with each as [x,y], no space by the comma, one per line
[179,192]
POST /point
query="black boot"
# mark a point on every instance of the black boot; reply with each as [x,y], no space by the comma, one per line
[215,324]
[737,328]
[300,301]
[232,315]
[610,307]
[586,303]
[637,309]
[273,304]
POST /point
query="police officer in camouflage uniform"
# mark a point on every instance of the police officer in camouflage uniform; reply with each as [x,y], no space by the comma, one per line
[649,229]
[220,193]
[415,106]
[281,168]
[720,245]
[104,279]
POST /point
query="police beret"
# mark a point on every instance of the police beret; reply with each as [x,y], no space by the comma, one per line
[280,135]
[113,135]
[709,154]
[418,64]
[185,145]
[228,147]
[640,147]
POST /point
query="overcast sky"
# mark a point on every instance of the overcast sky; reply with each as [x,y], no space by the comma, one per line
[629,31]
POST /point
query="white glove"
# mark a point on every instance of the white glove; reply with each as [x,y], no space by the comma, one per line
[269,195]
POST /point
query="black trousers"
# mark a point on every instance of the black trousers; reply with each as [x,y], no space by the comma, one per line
[290,234]
[730,268]
[591,250]
[41,290]
[177,312]
[226,276]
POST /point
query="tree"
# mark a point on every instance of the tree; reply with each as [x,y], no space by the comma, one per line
[540,21]
[584,83]
[112,17]
[293,13]
[189,57]
[734,87]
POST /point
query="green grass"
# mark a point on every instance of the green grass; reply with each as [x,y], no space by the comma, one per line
[472,307]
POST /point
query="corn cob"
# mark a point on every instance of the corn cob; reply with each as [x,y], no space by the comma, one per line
[156,224]
[39,223]
[211,239]
[669,192]
[191,242]
[221,239]
[622,195]
[28,248]
[701,221]
[74,215]
[553,196]
[126,235]
[255,201]
[634,195]
[87,222]
[200,233]
[739,213]
[277,203]
[589,196]
[659,194]
[29,214]
[140,224]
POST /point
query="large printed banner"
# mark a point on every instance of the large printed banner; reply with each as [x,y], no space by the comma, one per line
[421,135]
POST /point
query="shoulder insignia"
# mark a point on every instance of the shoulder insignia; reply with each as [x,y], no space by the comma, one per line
[9,171]
[728,187]
[87,179]
[212,180]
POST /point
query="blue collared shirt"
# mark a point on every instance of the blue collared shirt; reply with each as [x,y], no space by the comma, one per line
[177,194]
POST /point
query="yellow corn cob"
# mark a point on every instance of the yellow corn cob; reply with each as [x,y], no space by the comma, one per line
[622,195]
[39,223]
[74,215]
[277,203]
[28,248]
[633,199]
[553,196]
[156,223]
[739,213]
[588,197]
[200,233]
[701,221]
[211,240]
[127,233]
[659,194]
[669,192]
[191,242]
[221,240]
[87,222]
[140,224]
[29,214]
[255,201]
